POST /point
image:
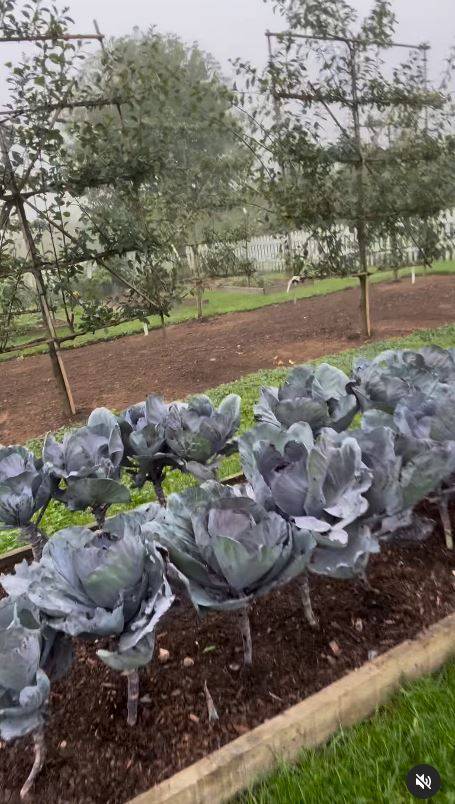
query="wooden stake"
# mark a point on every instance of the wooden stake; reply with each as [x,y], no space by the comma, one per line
[58,366]
[365,305]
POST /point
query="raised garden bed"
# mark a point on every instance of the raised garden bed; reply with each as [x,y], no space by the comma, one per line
[93,757]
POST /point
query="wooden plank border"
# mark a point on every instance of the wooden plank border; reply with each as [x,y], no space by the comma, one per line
[242,762]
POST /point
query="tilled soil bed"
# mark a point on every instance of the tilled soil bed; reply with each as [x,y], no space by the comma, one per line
[94,757]
[195,356]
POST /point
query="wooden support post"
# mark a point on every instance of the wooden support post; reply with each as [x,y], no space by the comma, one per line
[360,182]
[58,367]
[199,283]
[365,305]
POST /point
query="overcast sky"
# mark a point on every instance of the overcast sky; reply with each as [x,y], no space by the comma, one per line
[231,28]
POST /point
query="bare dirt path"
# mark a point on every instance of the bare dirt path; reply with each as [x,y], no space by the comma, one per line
[195,356]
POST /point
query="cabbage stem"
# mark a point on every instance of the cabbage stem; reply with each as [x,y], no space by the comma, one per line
[245,630]
[306,600]
[99,512]
[444,513]
[159,493]
[40,754]
[133,696]
[36,538]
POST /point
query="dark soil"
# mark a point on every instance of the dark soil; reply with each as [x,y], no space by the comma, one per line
[94,757]
[195,356]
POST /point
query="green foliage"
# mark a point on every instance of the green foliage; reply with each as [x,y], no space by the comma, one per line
[348,144]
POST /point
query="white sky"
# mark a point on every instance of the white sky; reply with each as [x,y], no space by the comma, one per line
[230,28]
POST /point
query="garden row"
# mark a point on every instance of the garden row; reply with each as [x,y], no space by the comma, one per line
[322,495]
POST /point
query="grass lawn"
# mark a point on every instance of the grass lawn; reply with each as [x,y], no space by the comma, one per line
[220,302]
[57,516]
[368,763]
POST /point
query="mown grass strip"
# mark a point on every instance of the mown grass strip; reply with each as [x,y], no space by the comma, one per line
[368,763]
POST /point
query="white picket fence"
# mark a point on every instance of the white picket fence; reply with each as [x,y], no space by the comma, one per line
[269,251]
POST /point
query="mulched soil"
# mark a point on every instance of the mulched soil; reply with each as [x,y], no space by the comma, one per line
[94,757]
[195,356]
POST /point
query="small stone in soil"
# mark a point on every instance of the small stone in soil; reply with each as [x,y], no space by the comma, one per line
[163,656]
[63,745]
[372,655]
[194,718]
[188,661]
[335,648]
[234,667]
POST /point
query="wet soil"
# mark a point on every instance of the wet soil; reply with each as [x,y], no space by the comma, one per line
[95,758]
[194,356]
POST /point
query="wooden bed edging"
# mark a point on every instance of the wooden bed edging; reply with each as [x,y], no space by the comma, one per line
[244,761]
[15,556]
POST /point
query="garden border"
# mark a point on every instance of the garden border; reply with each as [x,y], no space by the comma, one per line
[244,761]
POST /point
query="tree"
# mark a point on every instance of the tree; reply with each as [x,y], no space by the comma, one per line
[181,136]
[324,82]
[48,170]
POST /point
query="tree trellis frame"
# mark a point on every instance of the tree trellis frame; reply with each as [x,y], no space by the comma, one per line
[17,200]
[353,103]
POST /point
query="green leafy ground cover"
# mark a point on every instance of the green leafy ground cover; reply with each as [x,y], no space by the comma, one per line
[219,302]
[58,516]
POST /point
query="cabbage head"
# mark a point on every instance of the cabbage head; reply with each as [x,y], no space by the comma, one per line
[25,489]
[89,463]
[393,375]
[104,584]
[197,433]
[319,485]
[143,433]
[226,548]
[24,686]
[313,394]
[404,472]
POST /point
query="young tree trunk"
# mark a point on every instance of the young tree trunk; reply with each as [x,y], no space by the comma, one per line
[36,538]
[444,513]
[69,316]
[245,630]
[306,600]
[133,696]
[40,754]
